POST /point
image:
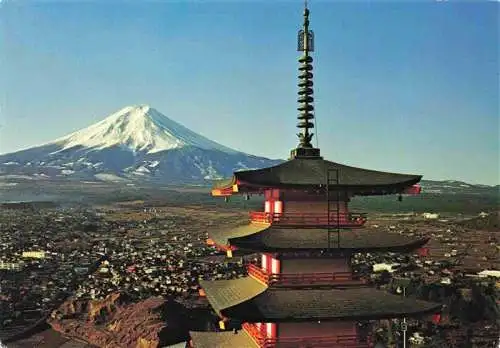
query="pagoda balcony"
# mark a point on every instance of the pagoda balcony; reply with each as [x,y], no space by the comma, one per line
[347,341]
[304,279]
[310,219]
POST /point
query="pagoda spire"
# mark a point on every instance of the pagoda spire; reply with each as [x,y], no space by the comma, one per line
[305,44]
[305,99]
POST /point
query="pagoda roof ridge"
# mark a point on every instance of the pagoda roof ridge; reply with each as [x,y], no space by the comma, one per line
[311,172]
[266,237]
[282,305]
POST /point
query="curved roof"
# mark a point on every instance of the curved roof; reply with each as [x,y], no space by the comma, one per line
[265,237]
[328,304]
[302,172]
[225,339]
[221,236]
[275,305]
[228,293]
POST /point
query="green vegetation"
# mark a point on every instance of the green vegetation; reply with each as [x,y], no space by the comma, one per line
[466,202]
[428,202]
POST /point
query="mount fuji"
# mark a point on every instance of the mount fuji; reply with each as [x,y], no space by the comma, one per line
[135,143]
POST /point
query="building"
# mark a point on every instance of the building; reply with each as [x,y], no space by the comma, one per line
[11,266]
[430,216]
[33,254]
[303,292]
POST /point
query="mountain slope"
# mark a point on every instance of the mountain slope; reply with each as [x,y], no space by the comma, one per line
[139,128]
[135,143]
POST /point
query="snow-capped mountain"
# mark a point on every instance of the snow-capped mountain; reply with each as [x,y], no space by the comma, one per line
[140,129]
[137,142]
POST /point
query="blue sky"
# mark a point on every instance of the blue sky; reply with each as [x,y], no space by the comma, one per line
[399,86]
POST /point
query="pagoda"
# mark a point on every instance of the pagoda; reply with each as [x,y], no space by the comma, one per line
[303,292]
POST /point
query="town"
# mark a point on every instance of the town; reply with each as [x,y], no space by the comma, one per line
[50,255]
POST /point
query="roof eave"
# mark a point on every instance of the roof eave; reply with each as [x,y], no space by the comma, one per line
[234,313]
[240,243]
[237,186]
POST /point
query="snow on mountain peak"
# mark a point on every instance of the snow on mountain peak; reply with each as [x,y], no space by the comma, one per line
[138,128]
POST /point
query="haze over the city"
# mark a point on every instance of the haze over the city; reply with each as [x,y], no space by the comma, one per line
[405,87]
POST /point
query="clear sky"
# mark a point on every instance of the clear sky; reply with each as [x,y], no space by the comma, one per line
[399,86]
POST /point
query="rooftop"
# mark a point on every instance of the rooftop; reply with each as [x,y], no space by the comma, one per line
[304,173]
[248,300]
[265,237]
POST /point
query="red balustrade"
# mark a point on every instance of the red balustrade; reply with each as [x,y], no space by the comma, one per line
[260,216]
[351,341]
[313,278]
[290,279]
[258,273]
[252,330]
[312,219]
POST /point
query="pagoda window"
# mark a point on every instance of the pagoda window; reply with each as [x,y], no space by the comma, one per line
[278,207]
[264,261]
[267,207]
[270,264]
[270,330]
[275,266]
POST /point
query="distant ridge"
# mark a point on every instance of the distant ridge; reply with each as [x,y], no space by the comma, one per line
[455,186]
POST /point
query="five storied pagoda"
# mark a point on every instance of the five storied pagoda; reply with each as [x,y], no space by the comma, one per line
[303,292]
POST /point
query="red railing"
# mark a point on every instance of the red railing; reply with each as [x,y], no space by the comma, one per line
[258,273]
[312,219]
[313,278]
[291,279]
[351,341]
